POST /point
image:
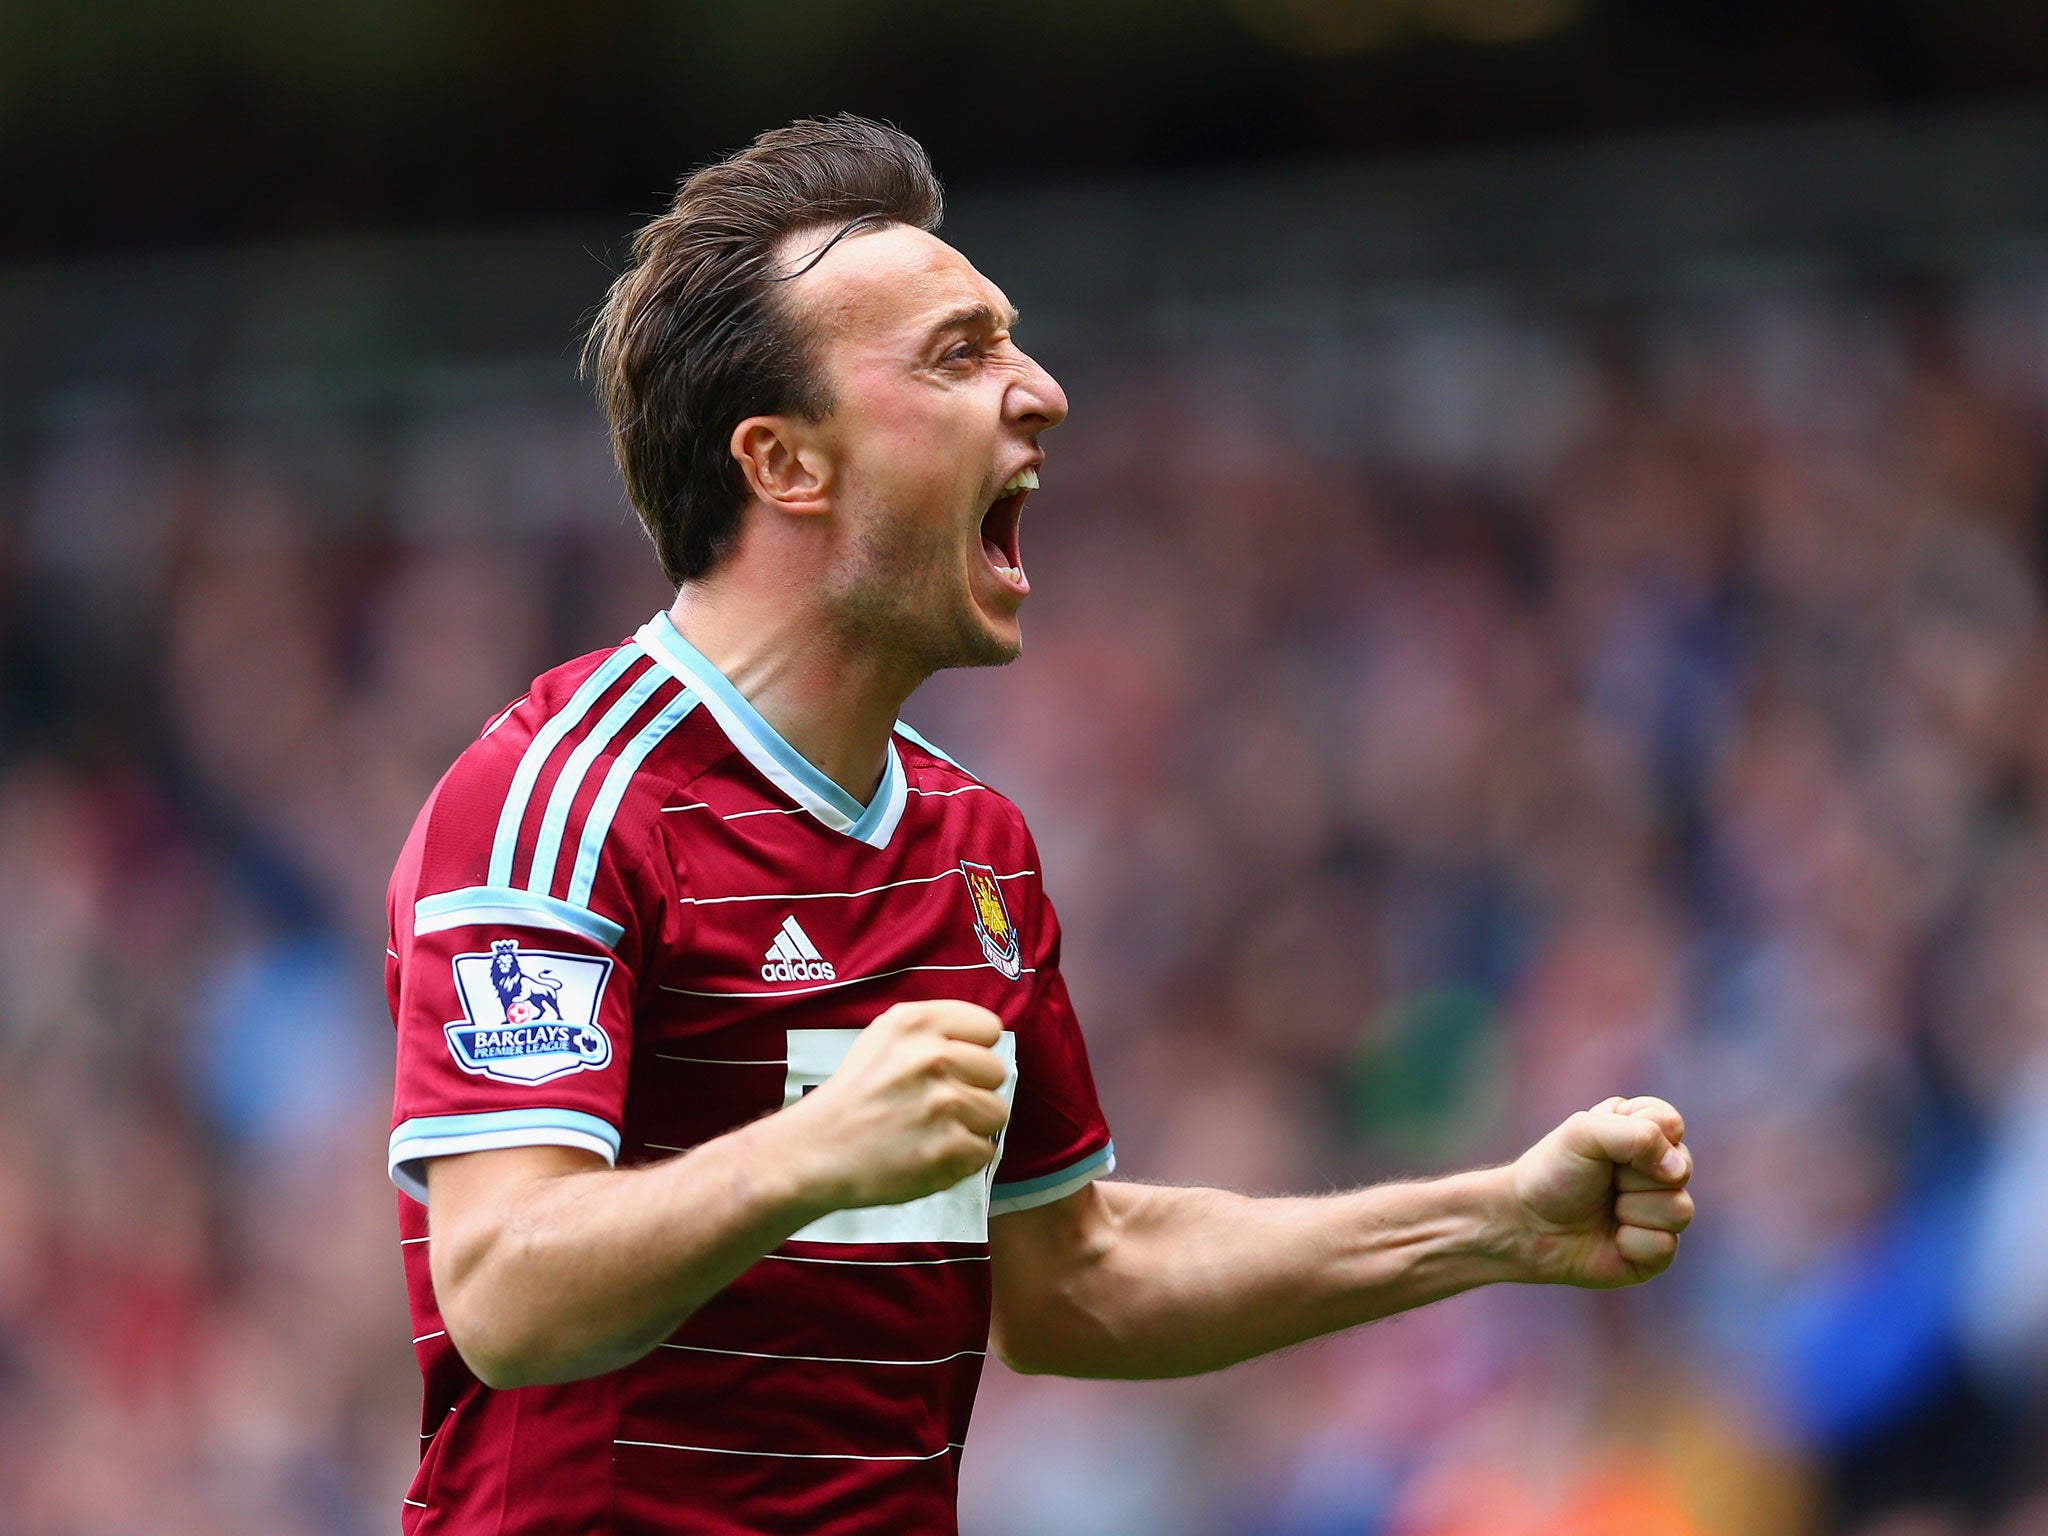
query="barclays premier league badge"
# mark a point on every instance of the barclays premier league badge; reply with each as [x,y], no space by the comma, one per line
[532,1014]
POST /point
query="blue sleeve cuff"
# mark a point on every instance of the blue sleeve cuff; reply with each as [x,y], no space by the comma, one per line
[1024,1194]
[429,1136]
[513,908]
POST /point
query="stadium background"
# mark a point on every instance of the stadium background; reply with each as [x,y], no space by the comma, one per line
[1542,594]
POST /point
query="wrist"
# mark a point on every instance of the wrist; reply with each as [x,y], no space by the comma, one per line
[791,1168]
[1497,1239]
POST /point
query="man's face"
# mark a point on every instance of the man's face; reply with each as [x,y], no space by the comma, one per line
[933,437]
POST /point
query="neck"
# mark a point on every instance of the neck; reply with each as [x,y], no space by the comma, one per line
[833,700]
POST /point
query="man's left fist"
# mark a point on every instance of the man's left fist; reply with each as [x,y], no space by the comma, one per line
[1601,1199]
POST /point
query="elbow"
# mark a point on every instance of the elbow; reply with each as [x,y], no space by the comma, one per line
[1029,1364]
[506,1345]
[502,1363]
[503,1375]
[503,1357]
[498,1353]
[1041,1343]
[501,1343]
[1019,1356]
[1013,1338]
[499,1375]
[502,1372]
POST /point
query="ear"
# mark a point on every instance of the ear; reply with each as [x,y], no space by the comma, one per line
[785,465]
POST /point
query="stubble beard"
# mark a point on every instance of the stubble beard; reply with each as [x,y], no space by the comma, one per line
[902,599]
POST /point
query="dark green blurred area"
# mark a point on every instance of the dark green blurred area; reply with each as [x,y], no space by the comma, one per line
[1424,1086]
[126,124]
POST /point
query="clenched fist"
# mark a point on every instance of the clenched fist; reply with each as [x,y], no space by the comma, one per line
[1601,1199]
[914,1108]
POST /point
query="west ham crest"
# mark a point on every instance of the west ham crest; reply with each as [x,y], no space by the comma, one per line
[992,923]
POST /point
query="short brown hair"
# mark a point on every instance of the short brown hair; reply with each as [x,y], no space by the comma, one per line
[693,337]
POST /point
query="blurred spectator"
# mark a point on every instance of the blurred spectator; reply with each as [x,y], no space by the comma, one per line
[1429,731]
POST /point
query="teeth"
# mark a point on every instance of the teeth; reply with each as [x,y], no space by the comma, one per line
[1023,480]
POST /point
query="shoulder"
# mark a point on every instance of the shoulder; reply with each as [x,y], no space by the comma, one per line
[929,769]
[558,708]
[560,773]
[937,782]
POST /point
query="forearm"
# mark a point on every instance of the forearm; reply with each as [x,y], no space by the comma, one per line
[586,1271]
[1172,1282]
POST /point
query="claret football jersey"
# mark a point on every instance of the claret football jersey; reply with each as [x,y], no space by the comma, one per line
[632,918]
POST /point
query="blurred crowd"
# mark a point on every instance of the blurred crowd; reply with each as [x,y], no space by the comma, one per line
[1434,720]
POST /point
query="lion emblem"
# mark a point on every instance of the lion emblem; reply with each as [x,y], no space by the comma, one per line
[524,996]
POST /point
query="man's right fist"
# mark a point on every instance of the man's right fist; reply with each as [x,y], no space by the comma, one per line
[914,1108]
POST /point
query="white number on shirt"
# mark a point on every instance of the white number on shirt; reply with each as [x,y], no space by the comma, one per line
[956,1215]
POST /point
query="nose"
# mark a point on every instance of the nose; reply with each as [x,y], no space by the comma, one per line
[1035,401]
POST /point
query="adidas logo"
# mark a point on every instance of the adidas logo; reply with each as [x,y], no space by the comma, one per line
[793,957]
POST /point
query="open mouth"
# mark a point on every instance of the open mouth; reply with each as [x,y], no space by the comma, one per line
[999,529]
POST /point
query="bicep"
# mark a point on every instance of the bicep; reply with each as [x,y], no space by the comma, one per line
[472,1195]
[1042,1260]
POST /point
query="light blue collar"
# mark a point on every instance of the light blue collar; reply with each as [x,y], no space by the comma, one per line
[762,745]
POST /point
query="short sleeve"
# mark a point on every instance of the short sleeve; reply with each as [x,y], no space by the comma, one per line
[1057,1139]
[514,1008]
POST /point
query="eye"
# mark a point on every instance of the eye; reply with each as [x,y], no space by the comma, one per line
[959,352]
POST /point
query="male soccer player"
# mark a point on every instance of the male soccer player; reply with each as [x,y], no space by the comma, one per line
[734,1061]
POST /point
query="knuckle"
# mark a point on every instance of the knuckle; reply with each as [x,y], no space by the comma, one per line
[981,1022]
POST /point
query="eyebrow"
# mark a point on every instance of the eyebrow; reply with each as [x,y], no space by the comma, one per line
[976,315]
